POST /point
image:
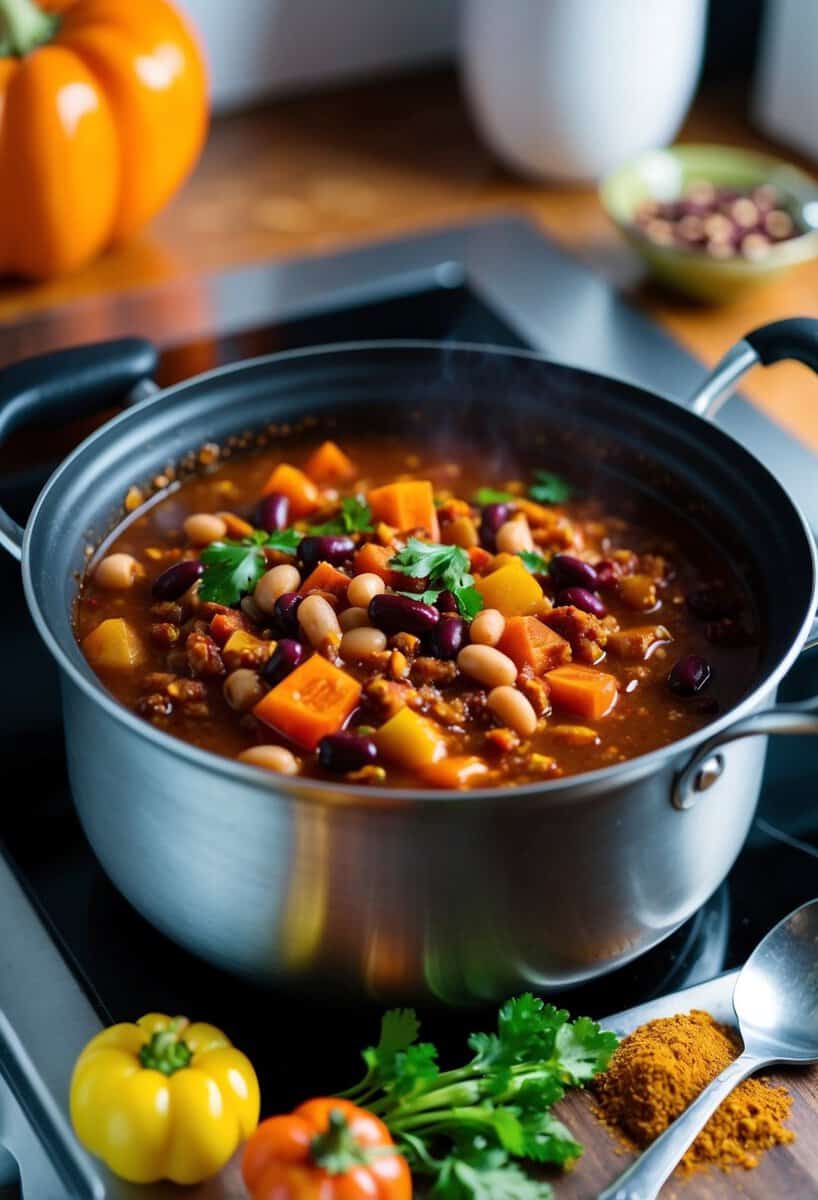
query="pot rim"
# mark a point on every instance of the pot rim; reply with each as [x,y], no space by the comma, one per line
[363,795]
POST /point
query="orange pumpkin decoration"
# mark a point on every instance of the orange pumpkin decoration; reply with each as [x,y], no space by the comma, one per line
[103,112]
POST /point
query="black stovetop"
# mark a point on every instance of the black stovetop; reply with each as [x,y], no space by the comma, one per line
[127,968]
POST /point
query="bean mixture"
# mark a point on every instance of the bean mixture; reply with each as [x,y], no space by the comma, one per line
[382,616]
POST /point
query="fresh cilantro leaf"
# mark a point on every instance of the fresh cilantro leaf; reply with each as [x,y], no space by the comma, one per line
[415,1068]
[487,495]
[445,568]
[549,488]
[527,1029]
[547,1140]
[584,1049]
[533,562]
[399,1031]
[460,1180]
[469,601]
[231,570]
[355,516]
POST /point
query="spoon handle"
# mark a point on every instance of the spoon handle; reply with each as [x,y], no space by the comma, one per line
[644,1178]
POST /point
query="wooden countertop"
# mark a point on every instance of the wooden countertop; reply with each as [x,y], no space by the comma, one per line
[318,173]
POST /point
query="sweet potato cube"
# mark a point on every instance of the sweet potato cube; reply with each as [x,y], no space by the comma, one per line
[237,527]
[456,772]
[408,504]
[296,486]
[511,589]
[316,699]
[529,643]
[242,649]
[584,691]
[328,464]
[225,624]
[410,740]
[373,559]
[325,578]
[113,646]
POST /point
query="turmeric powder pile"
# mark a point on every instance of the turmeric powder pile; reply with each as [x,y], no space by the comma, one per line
[661,1067]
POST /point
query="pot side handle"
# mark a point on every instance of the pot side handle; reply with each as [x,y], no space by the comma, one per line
[50,389]
[707,764]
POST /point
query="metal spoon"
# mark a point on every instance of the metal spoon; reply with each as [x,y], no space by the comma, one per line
[776,1003]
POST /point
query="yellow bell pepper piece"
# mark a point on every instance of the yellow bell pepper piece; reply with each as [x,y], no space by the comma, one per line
[163,1099]
[511,589]
[113,645]
[410,740]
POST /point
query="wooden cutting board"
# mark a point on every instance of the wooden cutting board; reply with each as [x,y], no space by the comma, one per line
[784,1173]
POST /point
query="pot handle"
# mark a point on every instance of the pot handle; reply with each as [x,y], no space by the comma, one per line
[707,764]
[51,389]
[795,338]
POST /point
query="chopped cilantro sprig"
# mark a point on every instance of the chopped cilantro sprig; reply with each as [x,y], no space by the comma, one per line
[465,1128]
[549,488]
[445,568]
[355,516]
[232,569]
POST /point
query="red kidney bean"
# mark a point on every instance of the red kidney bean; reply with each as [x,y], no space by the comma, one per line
[285,613]
[491,518]
[447,602]
[713,601]
[448,637]
[607,575]
[331,548]
[346,751]
[567,571]
[580,597]
[396,614]
[287,655]
[174,582]
[689,675]
[273,512]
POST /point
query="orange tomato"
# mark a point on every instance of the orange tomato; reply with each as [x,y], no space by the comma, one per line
[103,113]
[283,1159]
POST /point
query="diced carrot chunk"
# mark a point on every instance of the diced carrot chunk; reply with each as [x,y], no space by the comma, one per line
[408,504]
[296,486]
[113,645]
[529,643]
[224,624]
[237,527]
[584,691]
[479,560]
[325,578]
[410,740]
[372,559]
[458,771]
[329,464]
[511,589]
[314,700]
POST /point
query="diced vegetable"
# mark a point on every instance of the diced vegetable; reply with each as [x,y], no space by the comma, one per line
[314,700]
[237,527]
[224,624]
[329,464]
[410,740]
[325,578]
[409,504]
[638,591]
[241,641]
[296,486]
[113,646]
[462,531]
[637,642]
[584,691]
[511,589]
[457,771]
[373,559]
[531,644]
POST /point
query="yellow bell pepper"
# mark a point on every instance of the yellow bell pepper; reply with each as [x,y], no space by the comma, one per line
[163,1099]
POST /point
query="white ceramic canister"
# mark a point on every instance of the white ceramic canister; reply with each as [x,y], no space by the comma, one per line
[569,89]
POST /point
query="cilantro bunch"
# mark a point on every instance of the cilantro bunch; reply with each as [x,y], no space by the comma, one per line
[445,568]
[468,1128]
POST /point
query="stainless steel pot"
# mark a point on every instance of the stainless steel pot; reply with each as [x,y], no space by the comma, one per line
[459,897]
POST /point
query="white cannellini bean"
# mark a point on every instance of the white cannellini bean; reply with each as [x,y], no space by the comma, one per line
[362,589]
[242,689]
[204,528]
[317,618]
[487,665]
[275,583]
[487,627]
[360,642]
[513,709]
[353,618]
[272,758]
[514,536]
[116,572]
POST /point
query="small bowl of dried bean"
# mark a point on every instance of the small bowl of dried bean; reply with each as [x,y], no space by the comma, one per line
[711,221]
